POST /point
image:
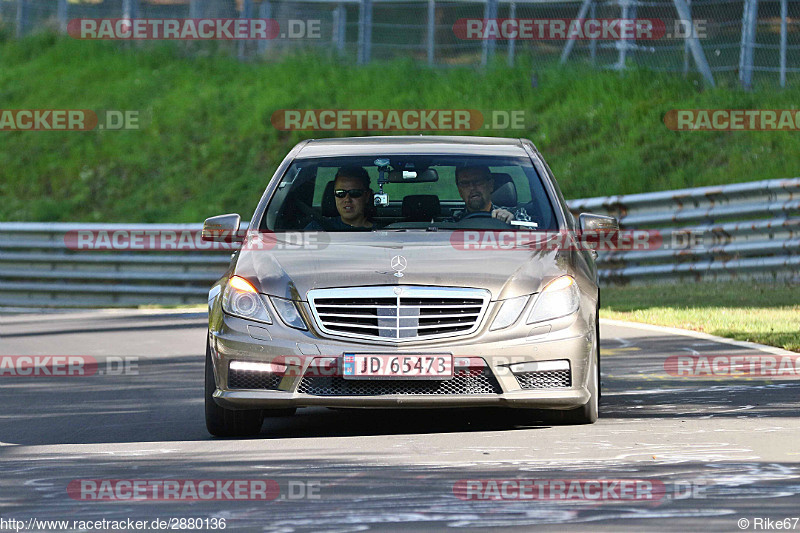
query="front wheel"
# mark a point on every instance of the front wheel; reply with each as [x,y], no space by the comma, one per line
[223,422]
[587,413]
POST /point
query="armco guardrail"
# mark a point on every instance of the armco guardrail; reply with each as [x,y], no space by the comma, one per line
[40,266]
[744,230]
[747,230]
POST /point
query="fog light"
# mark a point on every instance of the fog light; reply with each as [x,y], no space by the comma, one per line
[249,366]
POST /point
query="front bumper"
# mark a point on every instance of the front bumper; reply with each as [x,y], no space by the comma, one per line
[549,399]
[570,338]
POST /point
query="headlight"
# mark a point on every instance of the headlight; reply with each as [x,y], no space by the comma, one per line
[287,310]
[509,312]
[560,297]
[242,299]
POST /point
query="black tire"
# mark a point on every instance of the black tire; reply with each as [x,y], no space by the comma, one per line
[597,339]
[587,413]
[223,422]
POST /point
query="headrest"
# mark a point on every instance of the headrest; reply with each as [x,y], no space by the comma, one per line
[505,192]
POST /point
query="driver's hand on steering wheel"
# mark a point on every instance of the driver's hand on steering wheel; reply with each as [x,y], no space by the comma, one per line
[503,215]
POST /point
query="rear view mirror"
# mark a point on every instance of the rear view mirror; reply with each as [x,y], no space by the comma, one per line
[413,176]
[591,222]
[222,228]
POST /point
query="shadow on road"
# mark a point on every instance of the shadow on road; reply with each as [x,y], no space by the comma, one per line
[163,402]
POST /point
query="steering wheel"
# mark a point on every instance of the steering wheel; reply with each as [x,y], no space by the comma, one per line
[477,214]
[491,224]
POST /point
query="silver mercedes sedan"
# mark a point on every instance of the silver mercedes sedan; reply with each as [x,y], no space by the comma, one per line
[405,272]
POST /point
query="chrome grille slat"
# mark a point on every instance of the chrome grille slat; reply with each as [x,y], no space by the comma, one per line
[344,315]
[427,306]
[416,312]
[373,326]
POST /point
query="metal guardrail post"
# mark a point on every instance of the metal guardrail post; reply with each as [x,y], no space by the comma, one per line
[62,12]
[684,13]
[339,27]
[22,17]
[487,50]
[686,50]
[130,9]
[431,37]
[571,41]
[622,44]
[593,42]
[364,31]
[749,20]
[512,13]
[245,13]
[784,16]
[264,12]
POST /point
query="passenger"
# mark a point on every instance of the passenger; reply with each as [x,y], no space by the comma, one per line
[475,186]
[353,198]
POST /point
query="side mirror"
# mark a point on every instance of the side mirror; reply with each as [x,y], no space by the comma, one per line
[222,228]
[591,222]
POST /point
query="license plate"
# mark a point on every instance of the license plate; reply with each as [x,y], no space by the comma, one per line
[392,366]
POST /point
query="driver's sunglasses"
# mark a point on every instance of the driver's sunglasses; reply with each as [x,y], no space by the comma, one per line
[354,193]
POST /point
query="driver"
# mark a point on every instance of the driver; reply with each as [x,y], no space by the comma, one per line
[353,198]
[475,185]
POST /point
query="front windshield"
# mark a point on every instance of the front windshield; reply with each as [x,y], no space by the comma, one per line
[410,192]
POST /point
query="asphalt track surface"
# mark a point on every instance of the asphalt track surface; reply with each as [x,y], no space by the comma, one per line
[722,449]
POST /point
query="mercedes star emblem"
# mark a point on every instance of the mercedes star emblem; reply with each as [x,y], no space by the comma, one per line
[399,264]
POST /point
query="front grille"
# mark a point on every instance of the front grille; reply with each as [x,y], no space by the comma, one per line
[398,313]
[545,379]
[463,382]
[249,379]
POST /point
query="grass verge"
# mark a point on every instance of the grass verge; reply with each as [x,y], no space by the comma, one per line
[763,313]
[207,145]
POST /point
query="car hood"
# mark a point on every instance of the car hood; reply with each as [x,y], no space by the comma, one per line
[366,259]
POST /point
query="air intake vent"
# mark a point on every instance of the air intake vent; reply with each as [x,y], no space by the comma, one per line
[545,379]
[463,382]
